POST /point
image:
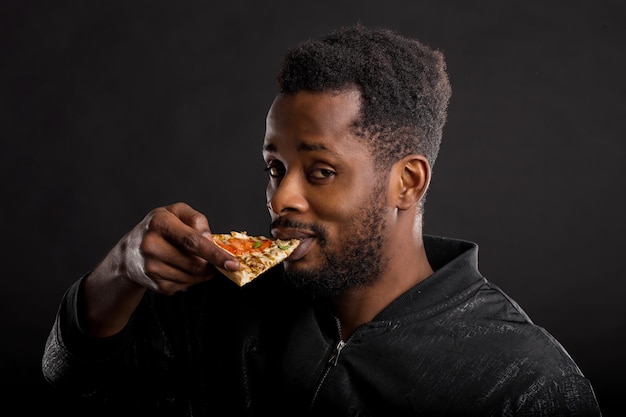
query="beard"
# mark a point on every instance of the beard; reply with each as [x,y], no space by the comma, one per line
[354,261]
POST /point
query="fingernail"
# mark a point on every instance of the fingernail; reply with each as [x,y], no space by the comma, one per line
[231,265]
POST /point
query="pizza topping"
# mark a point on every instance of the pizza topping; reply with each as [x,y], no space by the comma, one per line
[256,254]
[239,245]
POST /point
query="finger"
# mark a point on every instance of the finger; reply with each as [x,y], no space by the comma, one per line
[167,279]
[190,217]
[184,267]
[189,239]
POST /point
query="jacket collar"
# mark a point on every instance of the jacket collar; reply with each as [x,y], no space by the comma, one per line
[456,278]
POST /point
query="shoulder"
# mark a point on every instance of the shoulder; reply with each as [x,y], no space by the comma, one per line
[504,358]
[491,321]
[489,335]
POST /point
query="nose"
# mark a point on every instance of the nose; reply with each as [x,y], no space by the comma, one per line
[286,196]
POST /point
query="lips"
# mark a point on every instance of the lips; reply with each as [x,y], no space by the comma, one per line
[306,239]
[290,233]
[301,250]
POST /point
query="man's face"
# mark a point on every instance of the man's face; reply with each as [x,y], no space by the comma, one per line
[324,189]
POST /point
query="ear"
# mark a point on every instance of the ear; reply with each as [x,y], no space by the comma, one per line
[410,178]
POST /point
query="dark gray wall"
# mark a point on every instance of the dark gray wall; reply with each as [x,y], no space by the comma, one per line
[111,108]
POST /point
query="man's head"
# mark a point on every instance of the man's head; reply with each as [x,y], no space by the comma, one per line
[403,84]
[348,146]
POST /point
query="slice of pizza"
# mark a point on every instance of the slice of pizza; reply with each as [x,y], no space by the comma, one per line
[256,254]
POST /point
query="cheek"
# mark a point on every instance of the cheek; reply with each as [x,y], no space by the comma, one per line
[340,210]
[333,207]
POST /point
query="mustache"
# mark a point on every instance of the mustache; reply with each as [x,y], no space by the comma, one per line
[318,230]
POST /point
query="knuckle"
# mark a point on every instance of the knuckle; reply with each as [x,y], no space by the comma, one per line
[149,245]
[155,218]
[178,204]
[149,268]
[191,242]
[176,208]
[198,220]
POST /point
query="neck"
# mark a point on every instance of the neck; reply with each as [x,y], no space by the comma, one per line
[407,266]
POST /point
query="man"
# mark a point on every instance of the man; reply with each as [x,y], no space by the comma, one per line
[367,317]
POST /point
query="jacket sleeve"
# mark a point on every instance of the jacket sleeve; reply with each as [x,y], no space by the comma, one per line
[72,361]
[176,356]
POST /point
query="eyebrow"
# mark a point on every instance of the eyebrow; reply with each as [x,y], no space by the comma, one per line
[302,147]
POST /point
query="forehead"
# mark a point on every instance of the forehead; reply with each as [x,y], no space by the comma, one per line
[313,120]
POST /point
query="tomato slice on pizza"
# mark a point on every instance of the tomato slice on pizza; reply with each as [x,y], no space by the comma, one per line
[256,254]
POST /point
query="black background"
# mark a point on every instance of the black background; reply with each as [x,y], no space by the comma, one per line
[111,108]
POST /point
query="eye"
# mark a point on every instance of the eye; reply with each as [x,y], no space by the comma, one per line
[275,169]
[321,174]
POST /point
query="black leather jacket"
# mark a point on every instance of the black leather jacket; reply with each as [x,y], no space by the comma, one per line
[454,345]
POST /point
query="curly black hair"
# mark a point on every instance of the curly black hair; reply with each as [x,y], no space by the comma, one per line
[403,84]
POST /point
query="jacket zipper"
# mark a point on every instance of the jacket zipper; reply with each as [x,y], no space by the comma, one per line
[334,356]
[330,363]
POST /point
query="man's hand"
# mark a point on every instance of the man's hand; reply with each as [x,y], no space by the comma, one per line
[168,251]
[171,249]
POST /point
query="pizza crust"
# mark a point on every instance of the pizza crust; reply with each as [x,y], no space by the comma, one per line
[241,277]
[255,262]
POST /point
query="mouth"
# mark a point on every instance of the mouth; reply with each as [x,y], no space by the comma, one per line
[306,240]
[301,250]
